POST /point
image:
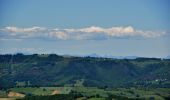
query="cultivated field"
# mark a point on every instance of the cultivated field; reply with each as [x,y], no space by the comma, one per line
[90,93]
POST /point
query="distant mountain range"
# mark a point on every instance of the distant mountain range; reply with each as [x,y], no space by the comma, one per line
[102,56]
[110,56]
[168,57]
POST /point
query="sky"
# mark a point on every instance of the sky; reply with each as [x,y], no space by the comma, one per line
[83,27]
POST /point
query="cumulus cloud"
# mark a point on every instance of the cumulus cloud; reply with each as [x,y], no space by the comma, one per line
[59,35]
[24,30]
[109,31]
[92,32]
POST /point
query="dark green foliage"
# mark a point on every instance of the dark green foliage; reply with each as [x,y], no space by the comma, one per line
[50,97]
[5,58]
[119,97]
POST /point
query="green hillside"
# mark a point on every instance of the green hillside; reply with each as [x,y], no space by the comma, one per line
[53,70]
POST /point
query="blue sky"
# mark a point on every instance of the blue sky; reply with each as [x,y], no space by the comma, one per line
[82,27]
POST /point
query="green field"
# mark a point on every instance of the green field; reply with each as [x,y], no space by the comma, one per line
[94,93]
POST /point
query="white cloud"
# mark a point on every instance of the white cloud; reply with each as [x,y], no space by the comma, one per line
[24,30]
[150,34]
[109,31]
[120,31]
[59,35]
[91,29]
[78,34]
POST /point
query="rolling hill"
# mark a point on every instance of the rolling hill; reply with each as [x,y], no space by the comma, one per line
[55,70]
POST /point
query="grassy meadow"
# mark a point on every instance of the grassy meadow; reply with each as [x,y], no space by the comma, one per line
[89,93]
